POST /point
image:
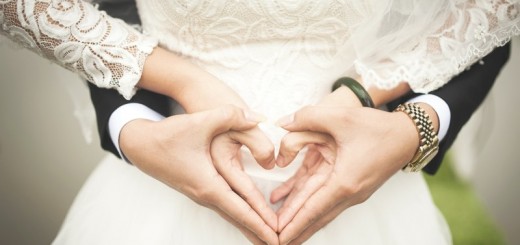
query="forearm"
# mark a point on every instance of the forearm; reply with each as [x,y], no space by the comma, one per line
[109,52]
[382,96]
[345,96]
[77,36]
[193,88]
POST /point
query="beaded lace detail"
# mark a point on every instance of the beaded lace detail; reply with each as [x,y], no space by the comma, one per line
[81,38]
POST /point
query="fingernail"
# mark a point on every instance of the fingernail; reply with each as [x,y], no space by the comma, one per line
[254,116]
[286,120]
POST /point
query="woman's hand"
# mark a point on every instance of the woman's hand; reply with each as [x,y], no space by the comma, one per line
[193,88]
[177,152]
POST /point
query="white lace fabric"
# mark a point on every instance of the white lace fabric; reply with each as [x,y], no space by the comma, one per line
[462,33]
[75,35]
[384,42]
[424,43]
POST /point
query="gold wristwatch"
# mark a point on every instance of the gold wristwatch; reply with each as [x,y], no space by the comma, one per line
[428,140]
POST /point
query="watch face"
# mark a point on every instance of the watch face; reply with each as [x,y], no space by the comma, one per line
[427,157]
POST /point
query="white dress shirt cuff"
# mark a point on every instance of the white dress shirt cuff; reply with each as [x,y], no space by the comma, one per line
[126,113]
[441,108]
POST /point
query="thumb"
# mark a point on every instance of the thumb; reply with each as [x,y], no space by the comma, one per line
[228,117]
[293,142]
[258,144]
[311,118]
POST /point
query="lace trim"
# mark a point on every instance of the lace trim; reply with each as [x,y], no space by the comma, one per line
[81,38]
[424,76]
[435,68]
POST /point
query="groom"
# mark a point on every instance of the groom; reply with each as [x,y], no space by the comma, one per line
[113,112]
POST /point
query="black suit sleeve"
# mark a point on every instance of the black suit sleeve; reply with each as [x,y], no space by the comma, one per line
[107,101]
[464,94]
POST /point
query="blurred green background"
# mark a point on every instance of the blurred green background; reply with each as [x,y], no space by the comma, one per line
[469,221]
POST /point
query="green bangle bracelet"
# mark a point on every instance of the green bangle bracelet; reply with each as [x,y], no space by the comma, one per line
[356,88]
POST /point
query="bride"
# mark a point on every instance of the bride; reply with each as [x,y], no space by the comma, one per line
[275,58]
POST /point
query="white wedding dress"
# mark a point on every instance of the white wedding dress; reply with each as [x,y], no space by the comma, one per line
[279,56]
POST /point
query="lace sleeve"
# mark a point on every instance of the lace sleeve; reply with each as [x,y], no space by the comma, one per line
[463,32]
[77,36]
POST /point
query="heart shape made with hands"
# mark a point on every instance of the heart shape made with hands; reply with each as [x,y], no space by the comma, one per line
[316,168]
[319,190]
[311,175]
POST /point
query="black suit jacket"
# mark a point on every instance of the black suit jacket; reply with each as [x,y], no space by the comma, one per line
[463,94]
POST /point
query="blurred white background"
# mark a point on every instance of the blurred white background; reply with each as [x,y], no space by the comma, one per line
[44,158]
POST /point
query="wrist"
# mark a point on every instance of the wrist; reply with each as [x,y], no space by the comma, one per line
[127,113]
[133,136]
[342,96]
[383,96]
[357,90]
[210,94]
[142,142]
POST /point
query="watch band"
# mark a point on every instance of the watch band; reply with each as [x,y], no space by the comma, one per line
[428,140]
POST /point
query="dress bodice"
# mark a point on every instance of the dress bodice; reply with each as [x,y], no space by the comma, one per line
[384,42]
[282,55]
[199,28]
[279,55]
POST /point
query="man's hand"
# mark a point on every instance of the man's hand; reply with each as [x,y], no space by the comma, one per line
[177,151]
[353,151]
